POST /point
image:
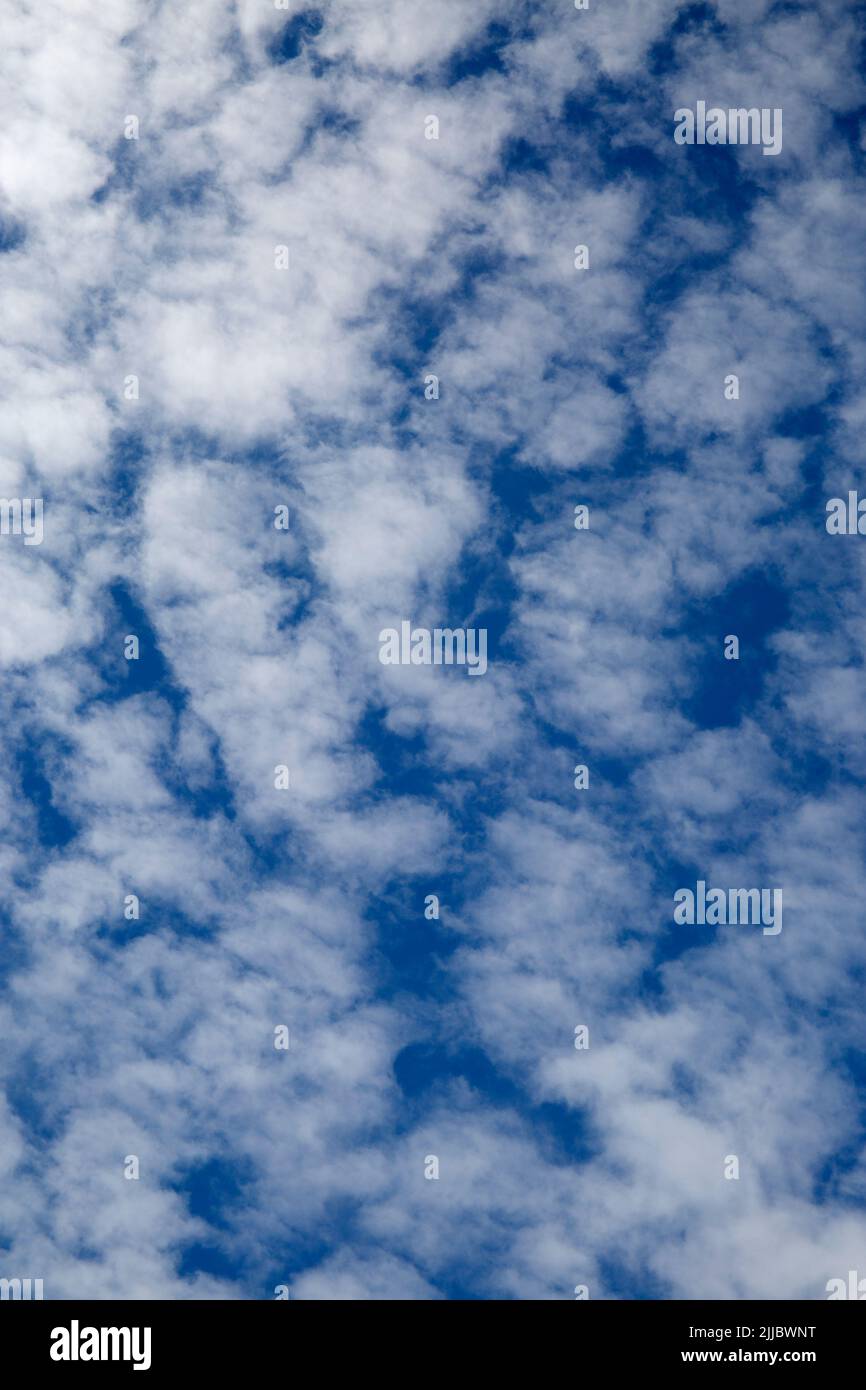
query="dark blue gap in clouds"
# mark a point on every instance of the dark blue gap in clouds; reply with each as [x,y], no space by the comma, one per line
[848,125]
[521,155]
[189,191]
[120,677]
[202,799]
[698,19]
[203,796]
[299,592]
[290,1252]
[338,122]
[15,952]
[415,953]
[563,750]
[215,1191]
[621,1280]
[410,352]
[292,38]
[670,939]
[417,319]
[811,425]
[403,769]
[31,1092]
[152,675]
[839,1179]
[804,771]
[481,591]
[719,189]
[670,873]
[752,609]
[330,119]
[521,491]
[336,1233]
[590,118]
[483,55]
[667,939]
[563,1133]
[201,1258]
[128,461]
[411,952]
[12,235]
[215,1188]
[478,597]
[125,155]
[156,914]
[38,757]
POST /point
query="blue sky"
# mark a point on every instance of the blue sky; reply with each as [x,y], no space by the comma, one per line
[258,387]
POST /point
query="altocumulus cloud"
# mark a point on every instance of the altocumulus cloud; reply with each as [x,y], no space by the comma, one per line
[297,343]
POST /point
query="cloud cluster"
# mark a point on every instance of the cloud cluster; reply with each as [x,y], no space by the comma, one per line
[232,306]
